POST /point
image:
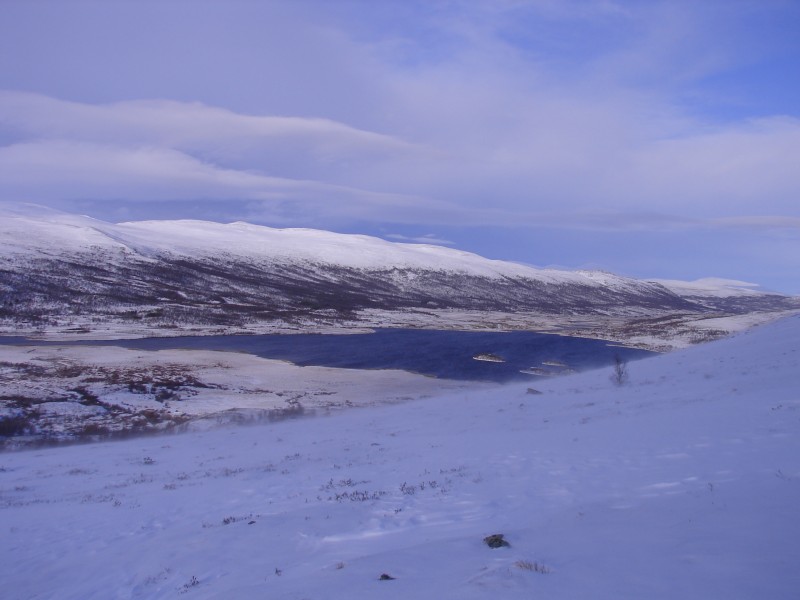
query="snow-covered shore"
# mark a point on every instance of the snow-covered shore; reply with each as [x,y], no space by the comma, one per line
[683,483]
[652,331]
[64,392]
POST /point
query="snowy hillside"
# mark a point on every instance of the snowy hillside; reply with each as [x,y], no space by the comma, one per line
[71,275]
[682,483]
[32,234]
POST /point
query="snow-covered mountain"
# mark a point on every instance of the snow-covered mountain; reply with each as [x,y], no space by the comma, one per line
[682,483]
[59,269]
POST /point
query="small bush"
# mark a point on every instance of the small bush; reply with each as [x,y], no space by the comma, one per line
[192,583]
[408,490]
[93,429]
[620,370]
[527,565]
[14,425]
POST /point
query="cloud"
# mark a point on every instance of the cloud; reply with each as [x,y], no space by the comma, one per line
[429,238]
[764,222]
[155,151]
[67,169]
[172,122]
[571,163]
[58,170]
[727,171]
[540,113]
[270,143]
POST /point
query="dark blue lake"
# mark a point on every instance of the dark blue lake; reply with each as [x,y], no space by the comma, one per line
[444,354]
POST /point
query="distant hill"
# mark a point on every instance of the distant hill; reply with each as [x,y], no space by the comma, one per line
[67,272]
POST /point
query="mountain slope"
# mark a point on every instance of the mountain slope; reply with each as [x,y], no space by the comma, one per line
[59,269]
[683,483]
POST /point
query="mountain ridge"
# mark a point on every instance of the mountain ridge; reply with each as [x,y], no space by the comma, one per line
[61,270]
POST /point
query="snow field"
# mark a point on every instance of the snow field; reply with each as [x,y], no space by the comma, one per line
[683,483]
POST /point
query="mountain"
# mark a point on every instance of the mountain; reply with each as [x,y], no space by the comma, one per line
[62,272]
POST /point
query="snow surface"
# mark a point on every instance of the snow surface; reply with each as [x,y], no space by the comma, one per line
[683,483]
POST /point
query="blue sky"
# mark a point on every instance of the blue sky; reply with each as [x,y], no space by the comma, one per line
[652,139]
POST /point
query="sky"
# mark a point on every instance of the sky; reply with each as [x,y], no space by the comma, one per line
[655,139]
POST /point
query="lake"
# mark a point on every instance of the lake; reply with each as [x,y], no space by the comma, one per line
[444,354]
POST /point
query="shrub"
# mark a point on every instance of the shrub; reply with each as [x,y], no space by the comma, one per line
[534,566]
[14,425]
[620,370]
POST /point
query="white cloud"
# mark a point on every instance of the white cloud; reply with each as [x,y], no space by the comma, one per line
[57,170]
[586,163]
[147,151]
[270,143]
[514,113]
[429,238]
[172,123]
[766,222]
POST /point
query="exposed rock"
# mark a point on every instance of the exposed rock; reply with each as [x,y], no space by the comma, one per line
[495,541]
